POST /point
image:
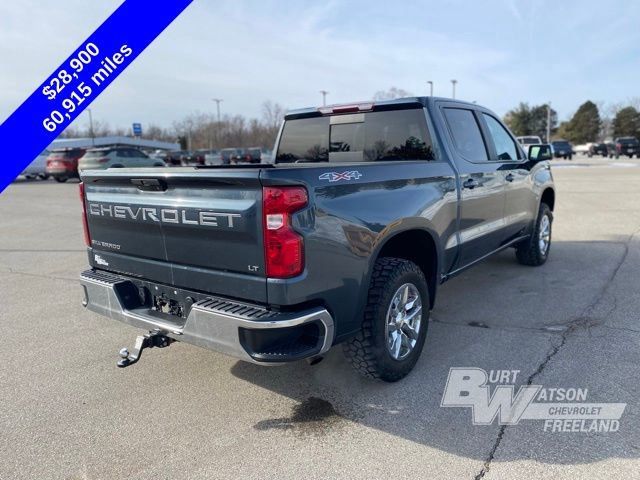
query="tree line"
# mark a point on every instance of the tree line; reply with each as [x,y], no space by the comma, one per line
[202,130]
[590,123]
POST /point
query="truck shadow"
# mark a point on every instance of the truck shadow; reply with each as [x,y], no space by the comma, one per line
[522,313]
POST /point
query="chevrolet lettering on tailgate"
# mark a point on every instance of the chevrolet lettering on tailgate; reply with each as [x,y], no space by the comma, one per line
[183,216]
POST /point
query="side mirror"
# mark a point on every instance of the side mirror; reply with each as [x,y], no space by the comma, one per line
[540,153]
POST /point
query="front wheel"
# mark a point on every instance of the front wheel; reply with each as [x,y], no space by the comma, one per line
[535,250]
[395,321]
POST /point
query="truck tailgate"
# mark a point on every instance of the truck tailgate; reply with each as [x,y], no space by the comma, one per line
[188,228]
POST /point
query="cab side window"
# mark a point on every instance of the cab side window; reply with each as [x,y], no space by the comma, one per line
[505,146]
[466,134]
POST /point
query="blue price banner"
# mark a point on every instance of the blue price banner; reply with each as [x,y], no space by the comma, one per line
[80,79]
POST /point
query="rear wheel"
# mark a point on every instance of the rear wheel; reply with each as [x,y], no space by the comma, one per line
[395,321]
[43,176]
[535,250]
[61,179]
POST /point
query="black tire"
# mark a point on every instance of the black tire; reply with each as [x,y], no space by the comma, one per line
[43,176]
[61,179]
[368,351]
[530,251]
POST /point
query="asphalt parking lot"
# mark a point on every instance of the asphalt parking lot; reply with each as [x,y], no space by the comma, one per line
[67,412]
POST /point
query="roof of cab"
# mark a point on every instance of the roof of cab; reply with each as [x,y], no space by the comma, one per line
[385,104]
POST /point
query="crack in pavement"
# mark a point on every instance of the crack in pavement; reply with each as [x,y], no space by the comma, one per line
[620,329]
[35,250]
[499,328]
[583,320]
[38,275]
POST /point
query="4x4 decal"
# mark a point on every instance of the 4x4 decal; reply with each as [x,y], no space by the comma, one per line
[337,176]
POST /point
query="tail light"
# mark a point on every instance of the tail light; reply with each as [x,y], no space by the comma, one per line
[283,246]
[85,223]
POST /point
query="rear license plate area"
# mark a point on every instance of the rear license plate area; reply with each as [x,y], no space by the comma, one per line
[168,306]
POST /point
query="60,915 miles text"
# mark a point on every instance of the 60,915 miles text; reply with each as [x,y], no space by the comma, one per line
[82,91]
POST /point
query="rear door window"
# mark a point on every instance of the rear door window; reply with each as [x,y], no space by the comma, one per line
[505,146]
[466,133]
[362,137]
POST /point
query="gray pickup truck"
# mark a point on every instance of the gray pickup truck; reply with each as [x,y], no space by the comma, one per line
[343,238]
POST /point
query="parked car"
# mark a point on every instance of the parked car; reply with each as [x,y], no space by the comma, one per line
[597,149]
[173,158]
[37,168]
[187,157]
[230,155]
[345,242]
[62,164]
[582,149]
[200,156]
[248,155]
[529,140]
[159,155]
[628,146]
[213,157]
[562,149]
[114,157]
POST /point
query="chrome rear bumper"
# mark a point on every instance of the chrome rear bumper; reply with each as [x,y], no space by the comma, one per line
[215,323]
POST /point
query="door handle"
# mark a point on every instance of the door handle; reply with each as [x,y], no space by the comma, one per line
[510,178]
[471,183]
[150,184]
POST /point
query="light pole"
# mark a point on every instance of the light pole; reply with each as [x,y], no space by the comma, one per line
[453,84]
[548,121]
[430,88]
[324,97]
[91,134]
[217,100]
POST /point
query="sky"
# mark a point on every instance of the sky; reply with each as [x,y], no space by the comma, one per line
[501,52]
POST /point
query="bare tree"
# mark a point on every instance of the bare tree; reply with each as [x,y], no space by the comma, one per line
[272,114]
[393,92]
[203,131]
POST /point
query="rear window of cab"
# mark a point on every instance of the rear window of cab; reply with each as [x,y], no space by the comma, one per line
[360,137]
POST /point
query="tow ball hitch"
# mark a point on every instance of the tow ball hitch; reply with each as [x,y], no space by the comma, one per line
[150,340]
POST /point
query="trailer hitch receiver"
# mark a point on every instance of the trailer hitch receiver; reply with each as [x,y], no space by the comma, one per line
[152,339]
